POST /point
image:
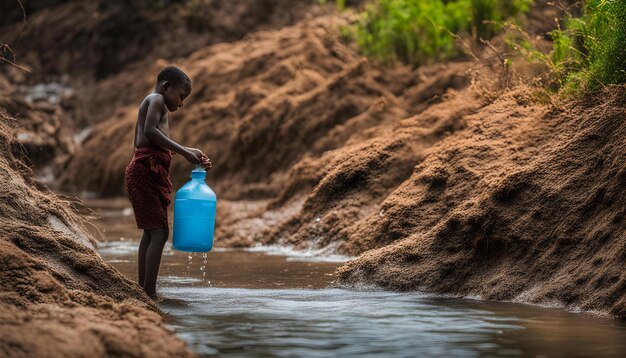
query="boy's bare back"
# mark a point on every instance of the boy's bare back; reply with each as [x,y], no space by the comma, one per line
[141,141]
[152,128]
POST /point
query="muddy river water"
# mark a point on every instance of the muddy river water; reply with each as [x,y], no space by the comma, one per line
[274,302]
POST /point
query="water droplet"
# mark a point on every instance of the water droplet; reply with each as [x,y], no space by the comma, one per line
[318,219]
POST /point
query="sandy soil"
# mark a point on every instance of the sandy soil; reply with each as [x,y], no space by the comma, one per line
[525,204]
[56,290]
[82,43]
[267,103]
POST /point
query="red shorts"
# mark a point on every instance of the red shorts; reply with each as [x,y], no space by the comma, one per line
[149,187]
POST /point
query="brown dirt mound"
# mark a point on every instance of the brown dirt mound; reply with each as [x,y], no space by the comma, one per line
[527,204]
[82,43]
[55,290]
[12,12]
[94,39]
[261,105]
[350,183]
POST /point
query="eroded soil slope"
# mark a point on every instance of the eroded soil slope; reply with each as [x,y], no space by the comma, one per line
[54,289]
[89,40]
[261,105]
[79,44]
[527,203]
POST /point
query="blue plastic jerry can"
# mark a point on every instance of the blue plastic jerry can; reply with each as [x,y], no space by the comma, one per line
[194,214]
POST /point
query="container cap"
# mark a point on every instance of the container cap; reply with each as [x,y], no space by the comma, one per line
[198,173]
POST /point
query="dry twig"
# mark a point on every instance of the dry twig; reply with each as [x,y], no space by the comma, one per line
[5,49]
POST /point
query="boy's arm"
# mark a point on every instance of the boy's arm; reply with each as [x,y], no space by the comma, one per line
[153,116]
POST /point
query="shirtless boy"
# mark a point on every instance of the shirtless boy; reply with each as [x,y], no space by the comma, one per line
[147,176]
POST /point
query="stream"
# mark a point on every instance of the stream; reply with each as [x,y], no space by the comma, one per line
[275,302]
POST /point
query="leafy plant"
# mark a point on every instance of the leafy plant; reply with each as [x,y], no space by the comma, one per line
[340,4]
[590,50]
[486,14]
[421,31]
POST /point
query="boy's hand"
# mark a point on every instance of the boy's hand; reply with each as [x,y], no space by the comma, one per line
[195,156]
[206,163]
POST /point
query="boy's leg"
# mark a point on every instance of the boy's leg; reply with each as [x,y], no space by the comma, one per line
[141,260]
[158,237]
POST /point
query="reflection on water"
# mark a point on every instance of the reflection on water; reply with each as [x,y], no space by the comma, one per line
[250,304]
[223,267]
[333,322]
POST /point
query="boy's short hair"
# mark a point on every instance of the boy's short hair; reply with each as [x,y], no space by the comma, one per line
[174,75]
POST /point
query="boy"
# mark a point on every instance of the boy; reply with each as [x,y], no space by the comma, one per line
[147,176]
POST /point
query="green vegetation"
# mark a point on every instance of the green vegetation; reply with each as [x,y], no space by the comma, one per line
[340,4]
[421,31]
[486,14]
[590,50]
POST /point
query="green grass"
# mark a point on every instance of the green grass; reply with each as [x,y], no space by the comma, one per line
[487,12]
[423,31]
[590,50]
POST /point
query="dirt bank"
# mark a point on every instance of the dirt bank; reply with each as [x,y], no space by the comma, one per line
[262,105]
[81,43]
[526,204]
[55,290]
[89,40]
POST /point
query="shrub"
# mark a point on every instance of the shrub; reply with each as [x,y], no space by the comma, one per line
[487,12]
[590,50]
[420,31]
